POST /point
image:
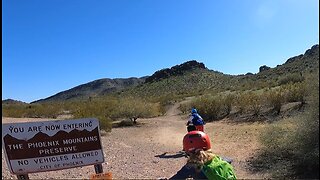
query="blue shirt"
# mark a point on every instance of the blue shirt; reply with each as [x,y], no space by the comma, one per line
[197,119]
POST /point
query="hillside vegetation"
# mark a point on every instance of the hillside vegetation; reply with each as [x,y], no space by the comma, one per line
[291,145]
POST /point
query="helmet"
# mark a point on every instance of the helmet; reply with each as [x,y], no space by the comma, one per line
[196,140]
[194,110]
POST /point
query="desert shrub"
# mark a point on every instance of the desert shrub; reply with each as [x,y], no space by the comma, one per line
[185,108]
[211,107]
[255,103]
[276,136]
[290,78]
[275,99]
[104,122]
[240,104]
[205,106]
[275,155]
[108,109]
[249,102]
[50,110]
[295,141]
[94,109]
[306,143]
[130,107]
[47,110]
[15,111]
[306,139]
[286,93]
[295,92]
[227,103]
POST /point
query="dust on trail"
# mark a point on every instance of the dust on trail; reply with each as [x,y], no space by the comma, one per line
[152,150]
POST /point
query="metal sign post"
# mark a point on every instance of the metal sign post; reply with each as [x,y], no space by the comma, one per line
[98,168]
[99,173]
[23,177]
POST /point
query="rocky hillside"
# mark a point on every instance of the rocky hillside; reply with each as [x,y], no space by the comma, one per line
[197,79]
[302,63]
[298,65]
[175,70]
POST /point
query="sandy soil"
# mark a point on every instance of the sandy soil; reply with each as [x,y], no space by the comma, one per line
[151,150]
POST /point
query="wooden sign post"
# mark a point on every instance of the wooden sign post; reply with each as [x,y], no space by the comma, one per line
[52,145]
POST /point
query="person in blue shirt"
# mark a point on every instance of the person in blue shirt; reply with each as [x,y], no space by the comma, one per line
[196,120]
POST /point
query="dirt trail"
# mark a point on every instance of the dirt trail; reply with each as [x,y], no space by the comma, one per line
[152,149]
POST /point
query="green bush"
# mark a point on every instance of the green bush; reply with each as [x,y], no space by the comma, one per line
[105,123]
[228,101]
[290,78]
[295,92]
[249,102]
[275,99]
[130,107]
[211,107]
[185,108]
[94,109]
[204,105]
[48,110]
[15,111]
[255,103]
[306,139]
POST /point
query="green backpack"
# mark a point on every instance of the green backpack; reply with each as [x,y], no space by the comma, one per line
[217,169]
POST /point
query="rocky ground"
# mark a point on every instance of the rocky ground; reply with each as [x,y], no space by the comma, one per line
[151,150]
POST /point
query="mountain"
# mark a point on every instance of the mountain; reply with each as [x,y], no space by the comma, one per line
[302,63]
[12,101]
[298,65]
[191,78]
[95,88]
[106,86]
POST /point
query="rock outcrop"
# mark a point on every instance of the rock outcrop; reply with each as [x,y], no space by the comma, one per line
[175,70]
[263,68]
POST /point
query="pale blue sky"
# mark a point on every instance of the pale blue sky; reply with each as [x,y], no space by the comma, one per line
[49,46]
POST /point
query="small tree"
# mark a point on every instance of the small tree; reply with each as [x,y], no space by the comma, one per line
[275,99]
[133,108]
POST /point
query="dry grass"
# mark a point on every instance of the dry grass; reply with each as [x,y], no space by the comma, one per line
[238,141]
